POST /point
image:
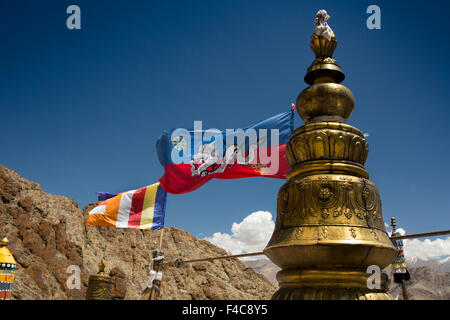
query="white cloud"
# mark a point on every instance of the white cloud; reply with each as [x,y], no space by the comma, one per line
[425,249]
[250,235]
[366,134]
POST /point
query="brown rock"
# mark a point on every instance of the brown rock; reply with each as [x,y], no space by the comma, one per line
[116,272]
[40,277]
[74,253]
[32,242]
[22,258]
[26,203]
[11,187]
[119,285]
[46,231]
[199,266]
[15,211]
[23,223]
[6,197]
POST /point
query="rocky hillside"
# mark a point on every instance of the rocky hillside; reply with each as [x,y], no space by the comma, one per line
[47,233]
[425,284]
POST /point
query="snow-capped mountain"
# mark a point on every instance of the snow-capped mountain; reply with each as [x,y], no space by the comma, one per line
[442,265]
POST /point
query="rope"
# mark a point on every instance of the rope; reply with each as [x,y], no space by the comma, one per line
[421,235]
[179,262]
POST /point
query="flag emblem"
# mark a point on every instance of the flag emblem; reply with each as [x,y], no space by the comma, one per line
[179,143]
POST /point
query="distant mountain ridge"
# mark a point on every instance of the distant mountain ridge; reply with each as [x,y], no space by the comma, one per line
[442,265]
[425,284]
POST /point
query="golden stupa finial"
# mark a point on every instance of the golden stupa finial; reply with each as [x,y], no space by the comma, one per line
[323,41]
[101,267]
[4,242]
[393,224]
[325,100]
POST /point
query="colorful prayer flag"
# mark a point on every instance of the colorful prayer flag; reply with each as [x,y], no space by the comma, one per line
[189,163]
[136,209]
[103,196]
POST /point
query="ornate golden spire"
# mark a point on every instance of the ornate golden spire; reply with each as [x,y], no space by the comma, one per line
[325,100]
[329,226]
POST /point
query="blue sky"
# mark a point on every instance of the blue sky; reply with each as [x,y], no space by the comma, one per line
[81,110]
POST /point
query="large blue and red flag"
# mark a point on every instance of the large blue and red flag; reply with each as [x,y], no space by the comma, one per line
[193,157]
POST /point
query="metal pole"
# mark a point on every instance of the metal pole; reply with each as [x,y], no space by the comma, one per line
[161,238]
[404,292]
[226,257]
[421,235]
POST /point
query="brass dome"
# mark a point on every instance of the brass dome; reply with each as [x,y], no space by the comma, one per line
[325,102]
